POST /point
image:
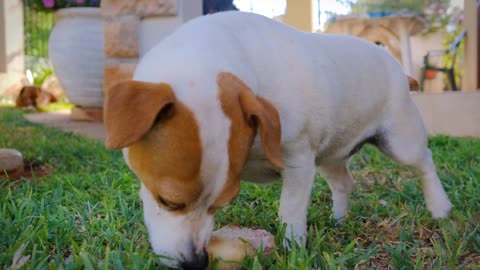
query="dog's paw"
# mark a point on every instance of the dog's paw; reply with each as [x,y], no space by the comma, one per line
[339,213]
[295,235]
[298,241]
[441,209]
[440,206]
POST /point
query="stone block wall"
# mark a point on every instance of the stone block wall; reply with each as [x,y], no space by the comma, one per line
[121,27]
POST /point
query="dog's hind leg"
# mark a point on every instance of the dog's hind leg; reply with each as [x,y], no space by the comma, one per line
[341,185]
[404,139]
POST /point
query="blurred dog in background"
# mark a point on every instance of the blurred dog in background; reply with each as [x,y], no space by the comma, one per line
[34,97]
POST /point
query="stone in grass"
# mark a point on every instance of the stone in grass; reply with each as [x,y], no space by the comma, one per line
[11,162]
[232,243]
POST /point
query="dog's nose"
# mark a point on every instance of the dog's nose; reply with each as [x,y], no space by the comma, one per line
[197,262]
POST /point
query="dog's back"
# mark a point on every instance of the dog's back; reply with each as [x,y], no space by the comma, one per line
[308,76]
[315,80]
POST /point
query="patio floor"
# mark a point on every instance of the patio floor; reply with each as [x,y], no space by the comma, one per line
[61,119]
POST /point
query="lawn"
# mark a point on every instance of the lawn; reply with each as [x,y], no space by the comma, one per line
[86,213]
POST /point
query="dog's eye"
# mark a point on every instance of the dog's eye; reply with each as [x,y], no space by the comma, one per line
[171,205]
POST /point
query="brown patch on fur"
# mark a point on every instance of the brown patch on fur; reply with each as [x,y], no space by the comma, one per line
[168,158]
[268,120]
[245,111]
[413,84]
[165,150]
[34,96]
[131,108]
[241,137]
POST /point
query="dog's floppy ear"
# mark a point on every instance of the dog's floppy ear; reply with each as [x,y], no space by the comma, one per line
[260,113]
[19,102]
[131,108]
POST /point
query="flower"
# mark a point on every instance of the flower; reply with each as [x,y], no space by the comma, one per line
[48,3]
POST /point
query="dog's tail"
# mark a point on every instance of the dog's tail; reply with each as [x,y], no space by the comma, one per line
[413,84]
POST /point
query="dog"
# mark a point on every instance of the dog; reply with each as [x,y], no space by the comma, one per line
[33,97]
[235,95]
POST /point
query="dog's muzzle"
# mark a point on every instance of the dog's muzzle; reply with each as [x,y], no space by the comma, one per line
[196,262]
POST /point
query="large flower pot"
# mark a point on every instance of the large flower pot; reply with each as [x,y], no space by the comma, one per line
[75,49]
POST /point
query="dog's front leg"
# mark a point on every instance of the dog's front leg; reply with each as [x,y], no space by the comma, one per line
[298,178]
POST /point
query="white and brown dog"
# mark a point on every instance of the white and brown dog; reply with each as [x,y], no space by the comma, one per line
[237,96]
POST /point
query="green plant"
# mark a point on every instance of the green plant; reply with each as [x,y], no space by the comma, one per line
[447,41]
[414,6]
[37,26]
[38,70]
[437,13]
[440,15]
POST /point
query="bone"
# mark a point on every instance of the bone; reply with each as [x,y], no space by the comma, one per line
[232,243]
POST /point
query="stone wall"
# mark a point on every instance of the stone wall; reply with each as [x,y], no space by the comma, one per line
[121,26]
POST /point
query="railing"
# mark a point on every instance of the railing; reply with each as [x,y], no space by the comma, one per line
[37,27]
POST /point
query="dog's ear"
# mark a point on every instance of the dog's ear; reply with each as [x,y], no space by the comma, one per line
[24,88]
[259,113]
[131,108]
[19,102]
[38,90]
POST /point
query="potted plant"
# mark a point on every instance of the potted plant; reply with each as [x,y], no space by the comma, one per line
[75,49]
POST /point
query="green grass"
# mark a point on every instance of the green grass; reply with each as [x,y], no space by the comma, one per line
[55,106]
[86,214]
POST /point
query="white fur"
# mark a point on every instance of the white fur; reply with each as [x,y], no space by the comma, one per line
[172,235]
[331,91]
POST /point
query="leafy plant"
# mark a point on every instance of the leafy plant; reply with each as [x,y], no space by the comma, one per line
[366,6]
[37,25]
[38,70]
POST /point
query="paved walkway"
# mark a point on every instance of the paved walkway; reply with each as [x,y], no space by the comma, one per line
[61,119]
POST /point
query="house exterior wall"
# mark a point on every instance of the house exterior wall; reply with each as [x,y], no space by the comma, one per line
[421,44]
[450,113]
[12,67]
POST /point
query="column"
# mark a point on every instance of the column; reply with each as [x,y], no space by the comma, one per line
[470,56]
[300,14]
[12,68]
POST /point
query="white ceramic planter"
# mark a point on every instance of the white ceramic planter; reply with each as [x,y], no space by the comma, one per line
[75,49]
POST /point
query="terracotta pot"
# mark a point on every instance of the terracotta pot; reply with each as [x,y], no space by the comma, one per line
[430,74]
[75,49]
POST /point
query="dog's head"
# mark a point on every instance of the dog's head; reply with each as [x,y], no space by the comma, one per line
[28,96]
[189,166]
[33,96]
